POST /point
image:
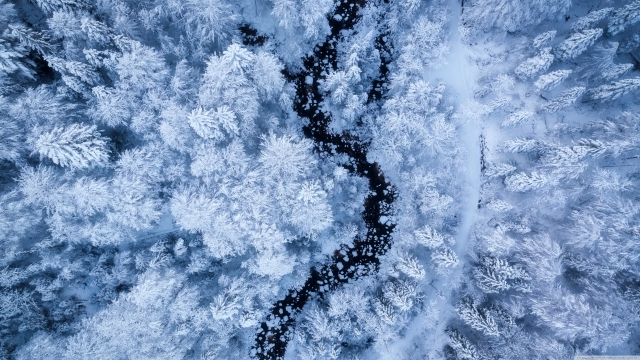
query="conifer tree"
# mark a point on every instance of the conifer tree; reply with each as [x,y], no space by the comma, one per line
[623,17]
[616,89]
[552,79]
[577,43]
[76,146]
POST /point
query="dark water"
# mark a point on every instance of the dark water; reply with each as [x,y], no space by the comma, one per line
[361,258]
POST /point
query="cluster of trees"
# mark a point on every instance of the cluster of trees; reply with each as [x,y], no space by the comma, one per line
[414,140]
[156,192]
[160,195]
[554,254]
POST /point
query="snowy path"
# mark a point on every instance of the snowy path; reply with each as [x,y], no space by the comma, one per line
[458,75]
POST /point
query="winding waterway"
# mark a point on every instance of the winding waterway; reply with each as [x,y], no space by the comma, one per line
[362,257]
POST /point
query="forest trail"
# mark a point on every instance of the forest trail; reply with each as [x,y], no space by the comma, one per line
[458,75]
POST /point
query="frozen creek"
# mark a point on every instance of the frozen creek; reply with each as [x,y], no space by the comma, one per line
[362,257]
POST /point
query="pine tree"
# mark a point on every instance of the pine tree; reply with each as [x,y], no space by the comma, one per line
[521,182]
[206,22]
[13,59]
[591,19]
[477,319]
[64,25]
[237,58]
[535,65]
[444,258]
[616,89]
[512,15]
[499,170]
[273,262]
[11,138]
[498,205]
[410,265]
[626,16]
[337,83]
[552,79]
[140,67]
[313,15]
[544,38]
[520,145]
[577,43]
[286,157]
[49,6]
[286,11]
[616,71]
[401,294]
[463,347]
[82,71]
[566,98]
[267,74]
[110,106]
[95,30]
[429,238]
[215,125]
[600,63]
[76,146]
[516,118]
[32,39]
[311,212]
[494,275]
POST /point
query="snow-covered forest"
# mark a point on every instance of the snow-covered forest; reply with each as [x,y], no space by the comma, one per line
[318,179]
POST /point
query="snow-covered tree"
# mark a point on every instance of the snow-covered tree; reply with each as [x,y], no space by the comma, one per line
[512,15]
[494,275]
[286,11]
[310,211]
[522,182]
[445,258]
[535,65]
[410,265]
[565,99]
[10,138]
[551,80]
[31,39]
[215,125]
[577,43]
[140,67]
[463,347]
[516,118]
[285,157]
[206,22]
[544,38]
[623,17]
[13,58]
[476,318]
[267,74]
[76,146]
[616,89]
[591,19]
[428,237]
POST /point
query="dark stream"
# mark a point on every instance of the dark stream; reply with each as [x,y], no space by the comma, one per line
[362,258]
